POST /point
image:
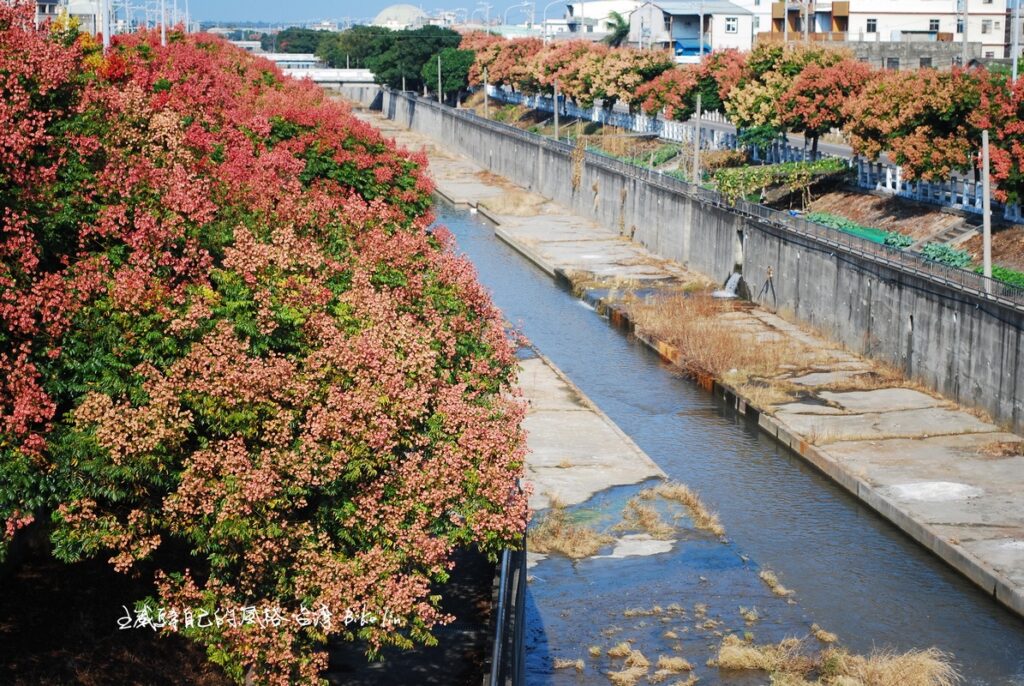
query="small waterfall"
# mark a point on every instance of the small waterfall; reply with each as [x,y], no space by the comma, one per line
[729,291]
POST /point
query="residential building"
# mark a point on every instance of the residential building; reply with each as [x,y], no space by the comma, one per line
[887,21]
[594,16]
[691,27]
[47,10]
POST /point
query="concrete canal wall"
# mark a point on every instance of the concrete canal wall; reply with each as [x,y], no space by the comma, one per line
[962,343]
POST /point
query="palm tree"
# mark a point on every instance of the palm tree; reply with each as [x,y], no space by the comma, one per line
[618,30]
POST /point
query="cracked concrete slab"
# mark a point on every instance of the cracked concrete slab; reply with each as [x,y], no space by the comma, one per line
[881,400]
[913,423]
[575,449]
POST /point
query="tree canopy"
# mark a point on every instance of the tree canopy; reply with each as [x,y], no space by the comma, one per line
[294,40]
[455,66]
[404,53]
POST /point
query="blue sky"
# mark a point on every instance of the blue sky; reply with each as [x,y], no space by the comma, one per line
[308,10]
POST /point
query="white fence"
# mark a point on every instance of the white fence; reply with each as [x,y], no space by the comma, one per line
[957,192]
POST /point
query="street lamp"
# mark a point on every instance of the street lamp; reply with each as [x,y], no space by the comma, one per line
[512,7]
[544,17]
[487,7]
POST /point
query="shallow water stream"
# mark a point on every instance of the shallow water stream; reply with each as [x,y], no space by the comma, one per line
[851,572]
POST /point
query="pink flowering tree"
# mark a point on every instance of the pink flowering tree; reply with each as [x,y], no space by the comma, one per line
[234,357]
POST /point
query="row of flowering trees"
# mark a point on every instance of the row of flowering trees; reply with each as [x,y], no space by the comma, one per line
[929,122]
[232,356]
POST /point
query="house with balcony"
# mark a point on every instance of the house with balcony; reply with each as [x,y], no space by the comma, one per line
[690,28]
[885,21]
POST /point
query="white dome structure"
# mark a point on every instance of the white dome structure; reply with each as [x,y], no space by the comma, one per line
[399,17]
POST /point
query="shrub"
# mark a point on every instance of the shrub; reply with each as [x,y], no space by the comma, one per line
[233,357]
[944,254]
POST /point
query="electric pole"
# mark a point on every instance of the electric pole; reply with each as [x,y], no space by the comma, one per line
[163,22]
[1016,36]
[438,77]
[487,113]
[963,55]
[986,197]
[556,109]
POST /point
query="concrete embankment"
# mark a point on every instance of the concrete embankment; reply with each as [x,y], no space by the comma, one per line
[963,344]
[917,459]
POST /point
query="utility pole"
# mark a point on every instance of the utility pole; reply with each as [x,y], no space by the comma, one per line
[807,20]
[105,24]
[556,109]
[1016,36]
[188,19]
[696,143]
[163,22]
[785,22]
[438,78]
[963,55]
[487,111]
[986,197]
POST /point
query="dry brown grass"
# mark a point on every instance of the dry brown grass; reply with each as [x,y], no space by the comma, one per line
[620,650]
[789,665]
[930,667]
[707,343]
[1003,449]
[785,656]
[578,665]
[636,515]
[628,677]
[670,635]
[594,651]
[556,533]
[702,517]
[772,581]
[749,614]
[637,659]
[822,635]
[764,397]
[674,664]
[514,203]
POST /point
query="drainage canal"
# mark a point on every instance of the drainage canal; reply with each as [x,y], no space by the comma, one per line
[851,572]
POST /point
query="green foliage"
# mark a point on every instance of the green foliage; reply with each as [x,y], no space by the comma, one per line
[736,183]
[294,40]
[351,48]
[759,136]
[1010,276]
[944,254]
[404,53]
[890,238]
[619,30]
[455,66]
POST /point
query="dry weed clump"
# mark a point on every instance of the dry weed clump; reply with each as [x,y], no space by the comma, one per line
[788,665]
[822,635]
[628,677]
[673,664]
[556,533]
[750,614]
[785,656]
[620,650]
[636,515]
[930,667]
[637,659]
[772,581]
[594,651]
[707,344]
[702,517]
[565,664]
[1003,449]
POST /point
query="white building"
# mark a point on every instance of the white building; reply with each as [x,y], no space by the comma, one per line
[691,27]
[294,61]
[594,16]
[401,17]
[888,21]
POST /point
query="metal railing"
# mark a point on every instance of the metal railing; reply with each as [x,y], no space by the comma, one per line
[900,260]
[508,651]
[956,192]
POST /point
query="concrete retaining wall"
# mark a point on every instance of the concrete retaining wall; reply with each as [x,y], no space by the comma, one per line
[966,346]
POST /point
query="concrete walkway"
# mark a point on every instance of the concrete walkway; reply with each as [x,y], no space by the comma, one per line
[599,455]
[951,480]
